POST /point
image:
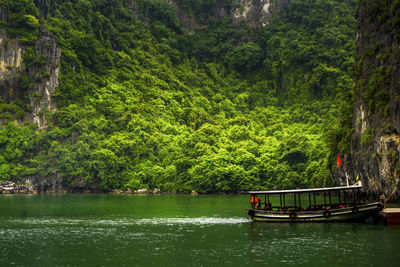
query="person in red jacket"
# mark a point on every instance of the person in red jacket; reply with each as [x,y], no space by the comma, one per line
[254,201]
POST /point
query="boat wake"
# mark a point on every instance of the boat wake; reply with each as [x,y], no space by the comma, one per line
[194,221]
[128,221]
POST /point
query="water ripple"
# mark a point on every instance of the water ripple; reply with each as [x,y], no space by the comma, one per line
[129,221]
[195,221]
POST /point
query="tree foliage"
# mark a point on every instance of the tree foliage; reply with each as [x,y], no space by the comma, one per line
[143,103]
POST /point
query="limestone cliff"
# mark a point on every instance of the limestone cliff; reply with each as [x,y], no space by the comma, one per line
[29,74]
[45,7]
[258,13]
[41,77]
[10,67]
[375,144]
[255,12]
[44,76]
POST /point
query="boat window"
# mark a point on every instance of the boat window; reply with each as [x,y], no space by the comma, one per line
[314,200]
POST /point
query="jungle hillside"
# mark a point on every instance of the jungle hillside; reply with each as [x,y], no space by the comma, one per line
[143,101]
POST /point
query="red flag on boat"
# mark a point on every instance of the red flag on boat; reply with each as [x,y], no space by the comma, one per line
[338,161]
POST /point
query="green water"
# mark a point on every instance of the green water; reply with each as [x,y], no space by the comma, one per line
[177,230]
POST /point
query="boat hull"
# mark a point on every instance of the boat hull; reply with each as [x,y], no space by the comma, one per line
[354,213]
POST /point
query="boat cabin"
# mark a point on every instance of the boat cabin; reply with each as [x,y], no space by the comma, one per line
[306,199]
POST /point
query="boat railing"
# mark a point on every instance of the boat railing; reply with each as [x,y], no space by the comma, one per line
[314,207]
[285,208]
[333,206]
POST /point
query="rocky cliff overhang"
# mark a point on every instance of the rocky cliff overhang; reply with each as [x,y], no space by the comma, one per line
[375,143]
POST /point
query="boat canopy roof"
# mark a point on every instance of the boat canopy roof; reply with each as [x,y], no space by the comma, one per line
[324,189]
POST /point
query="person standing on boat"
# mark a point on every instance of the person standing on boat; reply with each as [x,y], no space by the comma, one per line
[382,198]
[254,201]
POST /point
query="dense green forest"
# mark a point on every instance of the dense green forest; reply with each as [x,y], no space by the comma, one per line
[145,103]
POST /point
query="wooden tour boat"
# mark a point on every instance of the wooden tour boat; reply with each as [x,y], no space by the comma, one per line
[328,204]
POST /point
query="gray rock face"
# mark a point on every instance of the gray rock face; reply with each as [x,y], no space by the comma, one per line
[375,144]
[45,77]
[256,13]
[45,7]
[50,184]
[142,191]
[10,63]
[135,9]
[11,68]
[3,14]
[186,21]
[8,187]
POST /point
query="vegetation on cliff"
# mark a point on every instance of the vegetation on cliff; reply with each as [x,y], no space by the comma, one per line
[374,155]
[144,103]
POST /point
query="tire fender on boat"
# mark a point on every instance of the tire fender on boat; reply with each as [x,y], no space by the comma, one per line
[292,215]
[354,210]
[327,213]
[251,213]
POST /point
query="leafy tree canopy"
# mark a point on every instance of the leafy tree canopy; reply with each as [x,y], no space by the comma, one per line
[144,103]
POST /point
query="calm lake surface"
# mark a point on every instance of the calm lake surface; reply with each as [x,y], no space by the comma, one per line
[177,230]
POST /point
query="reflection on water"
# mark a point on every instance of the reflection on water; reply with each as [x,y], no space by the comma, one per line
[318,243]
[102,230]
